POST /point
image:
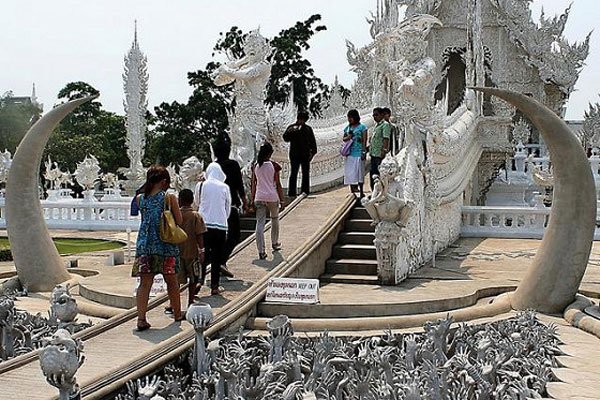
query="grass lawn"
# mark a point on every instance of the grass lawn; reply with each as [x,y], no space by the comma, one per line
[75,246]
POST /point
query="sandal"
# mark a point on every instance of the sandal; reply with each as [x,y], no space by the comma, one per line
[262,256]
[142,325]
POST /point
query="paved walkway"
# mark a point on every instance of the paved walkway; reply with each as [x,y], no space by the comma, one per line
[120,345]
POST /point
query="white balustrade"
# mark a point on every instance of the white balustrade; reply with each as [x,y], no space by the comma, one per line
[506,222]
[78,214]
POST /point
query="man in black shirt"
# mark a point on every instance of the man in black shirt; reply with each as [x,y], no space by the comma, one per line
[303,148]
[233,172]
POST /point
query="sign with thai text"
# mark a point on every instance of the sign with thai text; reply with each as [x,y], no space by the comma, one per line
[288,290]
[159,286]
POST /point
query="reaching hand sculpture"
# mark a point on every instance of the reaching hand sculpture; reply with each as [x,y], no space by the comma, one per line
[250,75]
[60,360]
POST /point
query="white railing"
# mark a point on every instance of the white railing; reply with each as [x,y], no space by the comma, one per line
[506,222]
[78,214]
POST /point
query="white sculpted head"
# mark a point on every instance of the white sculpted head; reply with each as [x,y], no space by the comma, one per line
[63,305]
[256,47]
[191,170]
[412,35]
[60,360]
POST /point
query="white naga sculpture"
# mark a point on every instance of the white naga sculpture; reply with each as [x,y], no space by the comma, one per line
[251,73]
[135,84]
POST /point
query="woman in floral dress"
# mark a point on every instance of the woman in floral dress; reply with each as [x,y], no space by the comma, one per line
[153,256]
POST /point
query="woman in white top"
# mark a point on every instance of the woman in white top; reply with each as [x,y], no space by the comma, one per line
[267,194]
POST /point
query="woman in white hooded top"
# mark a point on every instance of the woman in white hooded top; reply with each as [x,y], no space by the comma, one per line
[215,206]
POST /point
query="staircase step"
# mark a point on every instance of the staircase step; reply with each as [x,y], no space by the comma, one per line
[359,213]
[356,238]
[350,279]
[355,251]
[359,225]
[351,267]
[248,224]
[246,233]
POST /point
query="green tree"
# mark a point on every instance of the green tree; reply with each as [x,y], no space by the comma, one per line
[15,120]
[292,70]
[182,130]
[88,130]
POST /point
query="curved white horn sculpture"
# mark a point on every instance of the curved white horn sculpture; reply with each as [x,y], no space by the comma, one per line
[37,261]
[553,279]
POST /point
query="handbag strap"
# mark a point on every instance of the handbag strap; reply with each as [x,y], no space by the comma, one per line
[167,205]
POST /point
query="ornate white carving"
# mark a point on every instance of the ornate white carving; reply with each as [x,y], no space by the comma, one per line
[190,172]
[5,163]
[335,106]
[135,84]
[249,122]
[521,132]
[60,360]
[591,127]
[557,61]
[87,174]
[111,180]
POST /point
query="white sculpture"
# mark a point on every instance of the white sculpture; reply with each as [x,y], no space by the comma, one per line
[60,360]
[190,172]
[111,180]
[63,306]
[200,315]
[135,84]
[53,174]
[251,73]
[388,203]
[87,174]
[5,163]
[176,181]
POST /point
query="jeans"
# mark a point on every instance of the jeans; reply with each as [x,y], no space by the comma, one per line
[214,245]
[234,232]
[295,164]
[261,220]
[375,163]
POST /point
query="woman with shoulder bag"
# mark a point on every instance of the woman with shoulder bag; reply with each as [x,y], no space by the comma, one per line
[153,255]
[354,167]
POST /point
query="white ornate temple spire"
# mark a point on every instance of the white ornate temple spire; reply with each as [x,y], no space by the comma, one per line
[135,84]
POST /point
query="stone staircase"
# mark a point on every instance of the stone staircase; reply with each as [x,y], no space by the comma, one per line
[354,260]
[247,226]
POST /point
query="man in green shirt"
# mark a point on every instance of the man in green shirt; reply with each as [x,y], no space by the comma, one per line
[380,142]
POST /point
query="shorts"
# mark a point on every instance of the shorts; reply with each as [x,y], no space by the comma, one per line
[190,269]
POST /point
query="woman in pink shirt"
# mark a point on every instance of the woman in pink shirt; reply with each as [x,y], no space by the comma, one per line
[267,194]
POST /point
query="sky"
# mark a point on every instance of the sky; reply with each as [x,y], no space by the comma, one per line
[51,43]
